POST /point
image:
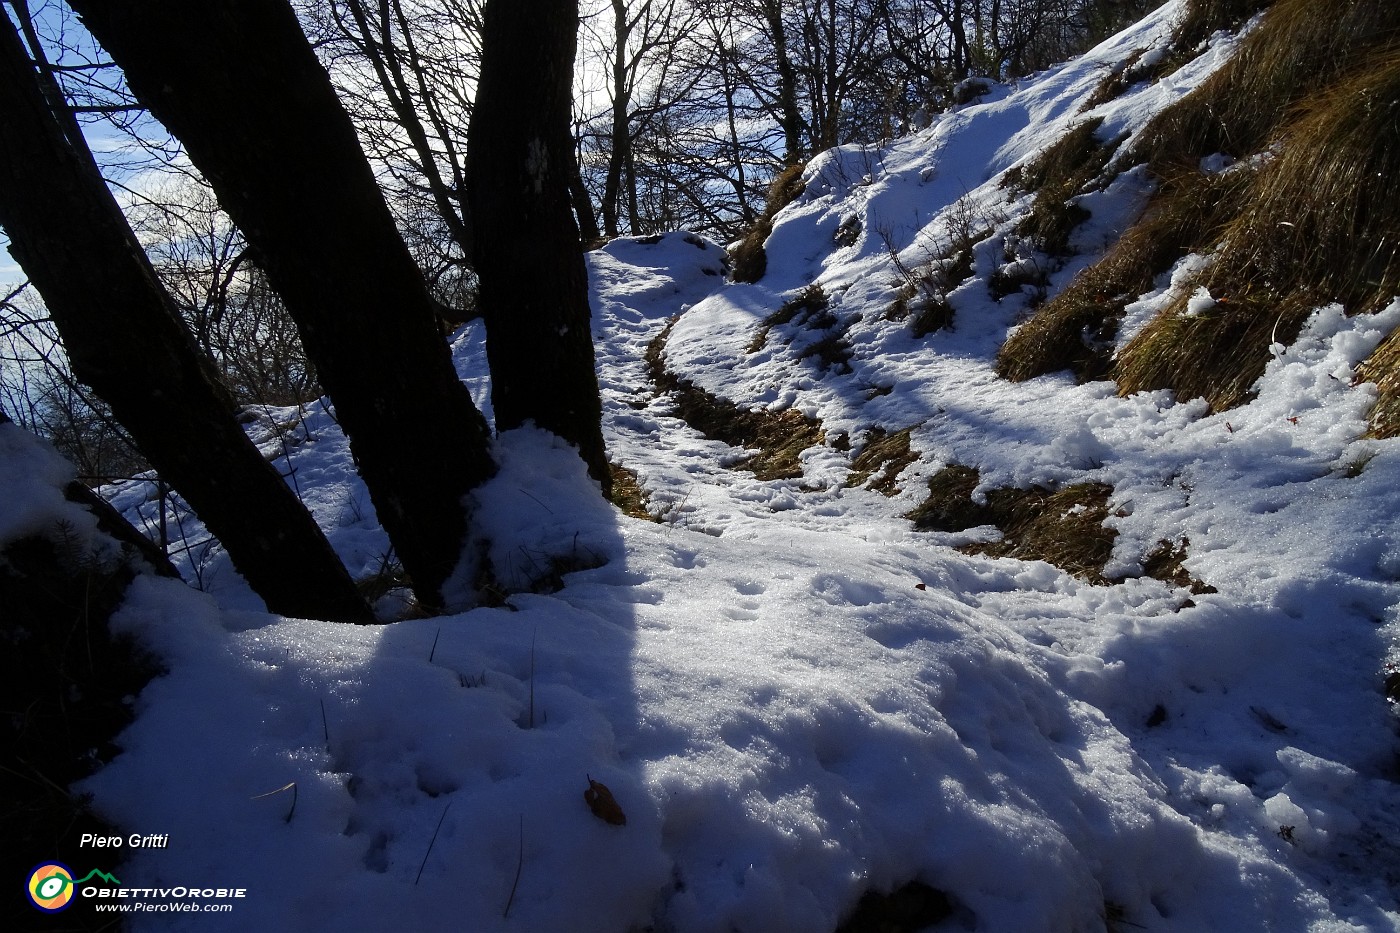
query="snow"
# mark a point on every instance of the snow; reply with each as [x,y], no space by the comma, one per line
[793,696]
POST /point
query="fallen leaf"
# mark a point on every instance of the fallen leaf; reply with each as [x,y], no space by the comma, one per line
[603,804]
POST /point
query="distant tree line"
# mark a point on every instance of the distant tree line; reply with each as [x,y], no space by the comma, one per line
[686,109]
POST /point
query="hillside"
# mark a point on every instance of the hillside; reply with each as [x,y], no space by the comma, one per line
[1021,554]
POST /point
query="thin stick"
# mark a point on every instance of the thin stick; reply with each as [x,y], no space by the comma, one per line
[432,841]
[325,726]
[519,865]
[434,648]
[533,634]
[289,787]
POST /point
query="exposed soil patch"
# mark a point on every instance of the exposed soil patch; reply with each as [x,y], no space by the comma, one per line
[881,460]
[779,437]
[1064,527]
[627,494]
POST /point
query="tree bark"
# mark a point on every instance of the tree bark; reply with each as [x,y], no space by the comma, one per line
[238,84]
[789,112]
[124,338]
[533,283]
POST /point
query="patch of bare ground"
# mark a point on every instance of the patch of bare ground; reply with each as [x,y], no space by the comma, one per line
[1064,527]
[779,437]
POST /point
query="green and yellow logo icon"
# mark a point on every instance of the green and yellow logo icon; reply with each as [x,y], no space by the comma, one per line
[51,886]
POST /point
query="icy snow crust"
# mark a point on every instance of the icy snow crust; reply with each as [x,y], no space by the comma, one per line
[793,696]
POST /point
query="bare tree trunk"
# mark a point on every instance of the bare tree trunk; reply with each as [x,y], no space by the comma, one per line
[789,112]
[125,339]
[239,85]
[620,137]
[534,293]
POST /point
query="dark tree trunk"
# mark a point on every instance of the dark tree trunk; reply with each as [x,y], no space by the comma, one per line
[620,136]
[239,85]
[583,207]
[125,340]
[534,293]
[789,113]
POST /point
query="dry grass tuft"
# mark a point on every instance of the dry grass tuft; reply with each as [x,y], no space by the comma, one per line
[1326,218]
[627,493]
[66,683]
[1319,223]
[1300,47]
[806,304]
[748,260]
[1065,169]
[1383,368]
[1217,356]
[1062,527]
[1166,562]
[881,460]
[949,506]
[1075,329]
[808,308]
[1204,18]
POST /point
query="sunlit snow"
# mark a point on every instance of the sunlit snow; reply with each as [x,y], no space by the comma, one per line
[794,697]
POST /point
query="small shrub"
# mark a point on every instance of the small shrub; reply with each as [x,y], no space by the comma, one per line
[923,289]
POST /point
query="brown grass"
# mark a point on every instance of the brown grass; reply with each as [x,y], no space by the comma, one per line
[780,437]
[1300,47]
[1166,562]
[627,494]
[748,260]
[1203,18]
[66,686]
[949,506]
[1319,223]
[1074,330]
[881,460]
[811,301]
[1383,368]
[1063,527]
[1065,169]
[1216,356]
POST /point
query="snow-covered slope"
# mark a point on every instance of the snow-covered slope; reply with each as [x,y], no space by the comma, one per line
[793,696]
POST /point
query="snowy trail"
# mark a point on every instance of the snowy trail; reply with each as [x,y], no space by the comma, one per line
[794,696]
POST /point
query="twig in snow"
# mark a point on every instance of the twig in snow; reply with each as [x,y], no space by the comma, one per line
[519,865]
[432,841]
